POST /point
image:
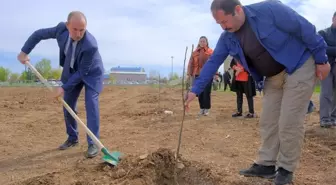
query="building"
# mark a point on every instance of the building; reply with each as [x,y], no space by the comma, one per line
[128,74]
[107,78]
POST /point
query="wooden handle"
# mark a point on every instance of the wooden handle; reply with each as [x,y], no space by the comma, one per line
[73,114]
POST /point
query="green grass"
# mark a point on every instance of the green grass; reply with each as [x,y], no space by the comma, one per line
[317,89]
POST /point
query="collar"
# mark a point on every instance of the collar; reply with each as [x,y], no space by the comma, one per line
[248,12]
[333,28]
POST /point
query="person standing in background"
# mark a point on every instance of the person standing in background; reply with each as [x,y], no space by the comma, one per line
[242,83]
[199,57]
[328,85]
[215,82]
[220,80]
[227,79]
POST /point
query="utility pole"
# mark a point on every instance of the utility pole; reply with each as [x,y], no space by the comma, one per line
[172,66]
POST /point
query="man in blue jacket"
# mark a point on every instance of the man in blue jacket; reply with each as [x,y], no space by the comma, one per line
[328,85]
[82,67]
[283,53]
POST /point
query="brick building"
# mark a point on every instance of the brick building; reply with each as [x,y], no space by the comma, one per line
[128,74]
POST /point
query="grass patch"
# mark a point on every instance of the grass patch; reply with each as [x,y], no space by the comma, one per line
[317,89]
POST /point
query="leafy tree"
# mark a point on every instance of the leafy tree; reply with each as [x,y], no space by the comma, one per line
[4,74]
[27,75]
[55,74]
[24,76]
[14,77]
[175,76]
[44,68]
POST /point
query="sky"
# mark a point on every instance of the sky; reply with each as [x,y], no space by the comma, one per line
[130,33]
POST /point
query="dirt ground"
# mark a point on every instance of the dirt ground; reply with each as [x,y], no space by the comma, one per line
[213,150]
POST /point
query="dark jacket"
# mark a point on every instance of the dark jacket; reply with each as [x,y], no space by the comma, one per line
[329,35]
[226,76]
[88,62]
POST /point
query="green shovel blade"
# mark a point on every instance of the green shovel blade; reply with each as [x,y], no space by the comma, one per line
[111,158]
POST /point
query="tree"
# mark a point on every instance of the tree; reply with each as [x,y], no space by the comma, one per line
[14,77]
[24,76]
[27,75]
[175,76]
[4,74]
[44,67]
[55,74]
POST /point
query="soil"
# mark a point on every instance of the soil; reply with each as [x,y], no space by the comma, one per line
[134,122]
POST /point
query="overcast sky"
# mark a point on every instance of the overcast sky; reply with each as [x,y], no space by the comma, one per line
[140,33]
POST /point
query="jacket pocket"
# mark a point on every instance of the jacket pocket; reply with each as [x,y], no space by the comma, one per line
[273,38]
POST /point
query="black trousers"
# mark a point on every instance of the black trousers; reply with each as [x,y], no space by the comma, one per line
[204,98]
[226,84]
[244,88]
[240,102]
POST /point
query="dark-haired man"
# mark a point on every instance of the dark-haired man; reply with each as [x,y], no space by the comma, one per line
[82,66]
[328,85]
[283,53]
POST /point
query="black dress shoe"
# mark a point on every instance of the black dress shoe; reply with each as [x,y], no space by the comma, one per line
[92,151]
[68,143]
[262,171]
[283,177]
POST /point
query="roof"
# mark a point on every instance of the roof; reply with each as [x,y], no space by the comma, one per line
[127,69]
[122,72]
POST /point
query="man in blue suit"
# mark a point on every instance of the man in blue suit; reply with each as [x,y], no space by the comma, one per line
[82,67]
[283,53]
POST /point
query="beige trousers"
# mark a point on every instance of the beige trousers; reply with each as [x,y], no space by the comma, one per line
[285,101]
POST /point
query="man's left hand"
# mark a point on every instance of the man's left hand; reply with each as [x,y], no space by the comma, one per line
[322,70]
[59,91]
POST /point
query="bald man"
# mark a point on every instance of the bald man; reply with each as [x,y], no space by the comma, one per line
[82,67]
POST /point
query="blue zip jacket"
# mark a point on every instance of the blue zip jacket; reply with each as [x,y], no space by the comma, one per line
[288,37]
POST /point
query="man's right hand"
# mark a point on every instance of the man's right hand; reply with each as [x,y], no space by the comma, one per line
[23,57]
[188,98]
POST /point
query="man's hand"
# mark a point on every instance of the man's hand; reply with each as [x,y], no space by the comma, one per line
[322,71]
[23,57]
[189,97]
[59,91]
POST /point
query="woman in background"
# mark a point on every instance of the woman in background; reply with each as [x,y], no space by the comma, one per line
[198,58]
[242,83]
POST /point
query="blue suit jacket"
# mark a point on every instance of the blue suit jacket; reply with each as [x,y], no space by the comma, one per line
[90,69]
[287,36]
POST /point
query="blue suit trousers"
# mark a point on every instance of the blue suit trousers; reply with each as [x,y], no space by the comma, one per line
[92,111]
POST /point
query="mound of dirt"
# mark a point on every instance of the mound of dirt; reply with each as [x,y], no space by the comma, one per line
[149,99]
[158,168]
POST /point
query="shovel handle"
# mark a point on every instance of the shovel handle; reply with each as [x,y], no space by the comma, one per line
[68,108]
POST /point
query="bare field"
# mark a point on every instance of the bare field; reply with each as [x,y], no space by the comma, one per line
[214,148]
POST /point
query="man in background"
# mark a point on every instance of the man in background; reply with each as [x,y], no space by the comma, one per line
[227,79]
[328,85]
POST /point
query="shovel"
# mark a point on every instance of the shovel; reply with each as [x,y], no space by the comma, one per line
[110,158]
